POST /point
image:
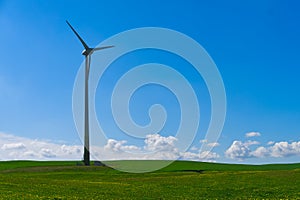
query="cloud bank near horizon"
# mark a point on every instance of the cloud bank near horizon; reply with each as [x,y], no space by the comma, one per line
[164,148]
[20,148]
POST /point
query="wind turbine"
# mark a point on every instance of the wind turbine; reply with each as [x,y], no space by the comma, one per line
[87,52]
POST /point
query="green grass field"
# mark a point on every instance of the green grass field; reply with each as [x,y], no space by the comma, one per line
[180,180]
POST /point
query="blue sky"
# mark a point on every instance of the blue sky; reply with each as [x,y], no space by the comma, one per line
[255,45]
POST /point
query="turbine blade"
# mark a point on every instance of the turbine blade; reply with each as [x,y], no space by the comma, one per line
[78,36]
[100,48]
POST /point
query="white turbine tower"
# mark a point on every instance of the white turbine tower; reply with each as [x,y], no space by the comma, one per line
[87,52]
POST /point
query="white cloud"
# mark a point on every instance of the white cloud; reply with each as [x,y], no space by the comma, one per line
[189,156]
[213,144]
[156,147]
[208,156]
[238,150]
[156,142]
[203,141]
[47,153]
[251,142]
[285,149]
[11,146]
[241,150]
[119,146]
[30,154]
[193,148]
[20,148]
[204,156]
[252,134]
[70,150]
[260,152]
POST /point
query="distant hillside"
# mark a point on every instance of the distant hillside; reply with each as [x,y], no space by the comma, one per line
[175,166]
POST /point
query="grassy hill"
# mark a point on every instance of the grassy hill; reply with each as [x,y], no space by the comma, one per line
[180,180]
